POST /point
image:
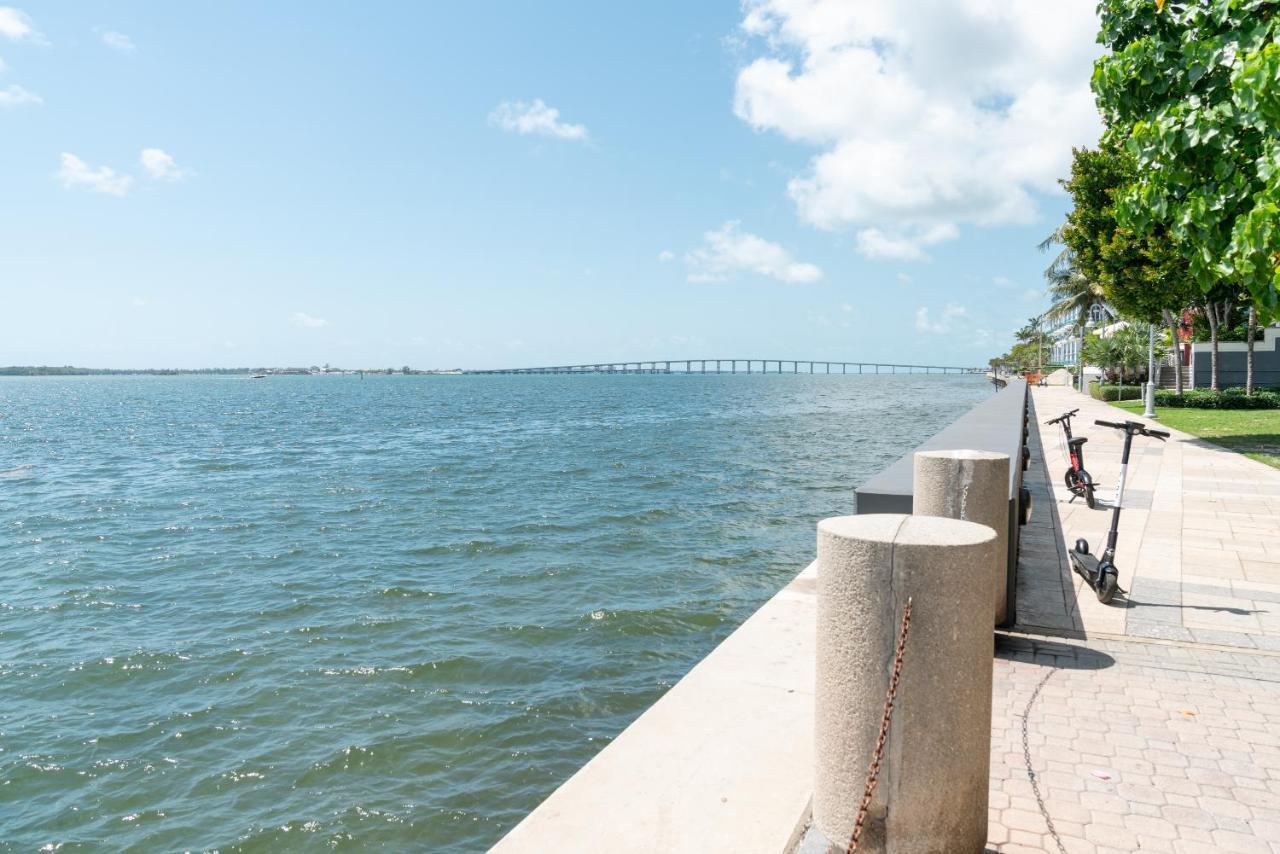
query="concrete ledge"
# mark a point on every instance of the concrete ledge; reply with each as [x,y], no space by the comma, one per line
[998,424]
[723,762]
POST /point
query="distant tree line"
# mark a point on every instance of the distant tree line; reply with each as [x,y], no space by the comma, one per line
[70,371]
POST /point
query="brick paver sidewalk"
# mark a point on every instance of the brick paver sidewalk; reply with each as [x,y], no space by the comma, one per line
[1156,746]
[1152,724]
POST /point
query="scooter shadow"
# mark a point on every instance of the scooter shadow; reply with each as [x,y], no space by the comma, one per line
[1220,609]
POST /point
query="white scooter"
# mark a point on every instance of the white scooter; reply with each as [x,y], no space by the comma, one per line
[1101,573]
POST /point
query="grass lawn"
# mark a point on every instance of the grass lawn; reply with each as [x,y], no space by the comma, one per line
[1252,432]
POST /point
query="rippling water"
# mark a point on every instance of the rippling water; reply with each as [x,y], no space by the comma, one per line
[395,611]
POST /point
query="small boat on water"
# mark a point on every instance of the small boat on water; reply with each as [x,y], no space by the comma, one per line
[259,376]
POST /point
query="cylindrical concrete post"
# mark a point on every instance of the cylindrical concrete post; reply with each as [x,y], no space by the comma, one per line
[932,792]
[973,486]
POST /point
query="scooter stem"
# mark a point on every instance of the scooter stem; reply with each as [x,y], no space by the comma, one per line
[1114,533]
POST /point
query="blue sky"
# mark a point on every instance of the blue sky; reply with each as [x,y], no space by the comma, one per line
[489,184]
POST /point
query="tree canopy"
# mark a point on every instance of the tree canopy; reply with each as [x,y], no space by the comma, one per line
[1141,275]
[1192,91]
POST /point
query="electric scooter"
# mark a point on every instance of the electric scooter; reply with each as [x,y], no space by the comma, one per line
[1100,572]
[1078,480]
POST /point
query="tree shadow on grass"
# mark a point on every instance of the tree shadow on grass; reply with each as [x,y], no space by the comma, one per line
[1263,447]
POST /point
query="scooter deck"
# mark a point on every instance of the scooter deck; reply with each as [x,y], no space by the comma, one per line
[1086,563]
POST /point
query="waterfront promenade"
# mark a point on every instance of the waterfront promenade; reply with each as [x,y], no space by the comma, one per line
[1157,723]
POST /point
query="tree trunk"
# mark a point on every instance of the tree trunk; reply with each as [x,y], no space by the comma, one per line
[1250,331]
[1174,348]
[1211,314]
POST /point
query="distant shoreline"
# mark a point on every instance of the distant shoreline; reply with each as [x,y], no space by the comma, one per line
[70,371]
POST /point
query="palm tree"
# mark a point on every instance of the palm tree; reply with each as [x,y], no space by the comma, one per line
[1073,294]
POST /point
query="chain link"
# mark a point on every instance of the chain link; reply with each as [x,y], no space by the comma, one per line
[873,772]
[1031,774]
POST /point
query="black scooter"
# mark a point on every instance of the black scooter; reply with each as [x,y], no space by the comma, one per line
[1101,573]
[1078,480]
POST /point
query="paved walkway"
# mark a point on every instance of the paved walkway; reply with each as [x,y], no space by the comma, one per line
[1199,544]
[1151,724]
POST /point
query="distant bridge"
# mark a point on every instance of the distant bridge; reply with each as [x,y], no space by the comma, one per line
[737,366]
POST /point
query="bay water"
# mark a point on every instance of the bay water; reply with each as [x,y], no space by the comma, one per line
[391,611]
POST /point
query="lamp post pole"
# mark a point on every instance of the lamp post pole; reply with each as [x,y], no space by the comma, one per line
[1149,405]
[1040,345]
[1080,359]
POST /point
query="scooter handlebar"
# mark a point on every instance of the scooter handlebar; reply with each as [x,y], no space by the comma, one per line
[1062,416]
[1136,427]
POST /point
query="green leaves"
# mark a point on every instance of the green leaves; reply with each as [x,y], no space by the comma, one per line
[1191,91]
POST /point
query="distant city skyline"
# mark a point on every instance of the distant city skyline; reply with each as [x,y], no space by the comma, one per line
[502,185]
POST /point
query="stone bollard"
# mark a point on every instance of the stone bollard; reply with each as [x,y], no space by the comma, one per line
[932,791]
[973,486]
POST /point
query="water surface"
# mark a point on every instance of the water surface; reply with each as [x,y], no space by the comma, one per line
[397,611]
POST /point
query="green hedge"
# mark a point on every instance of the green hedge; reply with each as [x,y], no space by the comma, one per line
[1110,393]
[1230,398]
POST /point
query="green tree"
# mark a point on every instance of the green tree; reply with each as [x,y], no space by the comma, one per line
[1143,276]
[1122,354]
[1192,90]
[1031,345]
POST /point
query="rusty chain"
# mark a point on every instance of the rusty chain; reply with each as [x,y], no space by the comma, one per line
[873,771]
[1031,772]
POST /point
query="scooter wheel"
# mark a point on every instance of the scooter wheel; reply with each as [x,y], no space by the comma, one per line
[1082,546]
[1108,583]
[1086,486]
[1071,479]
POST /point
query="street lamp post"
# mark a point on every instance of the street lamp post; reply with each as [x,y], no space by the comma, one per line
[1040,345]
[1149,404]
[1080,359]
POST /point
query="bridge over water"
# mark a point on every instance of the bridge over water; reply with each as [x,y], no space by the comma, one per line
[737,366]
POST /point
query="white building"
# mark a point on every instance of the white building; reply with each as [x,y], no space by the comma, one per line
[1066,335]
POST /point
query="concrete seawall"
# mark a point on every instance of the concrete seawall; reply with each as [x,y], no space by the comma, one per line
[997,425]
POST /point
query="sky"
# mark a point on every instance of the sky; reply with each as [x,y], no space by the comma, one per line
[490,184]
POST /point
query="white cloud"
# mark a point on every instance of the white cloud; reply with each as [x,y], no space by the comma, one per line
[138,302]
[534,117]
[15,96]
[16,25]
[944,324]
[904,279]
[846,307]
[161,166]
[76,173]
[310,321]
[666,255]
[118,41]
[729,251]
[929,115]
[874,243]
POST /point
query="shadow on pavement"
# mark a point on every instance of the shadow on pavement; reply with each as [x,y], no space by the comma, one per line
[1050,653]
